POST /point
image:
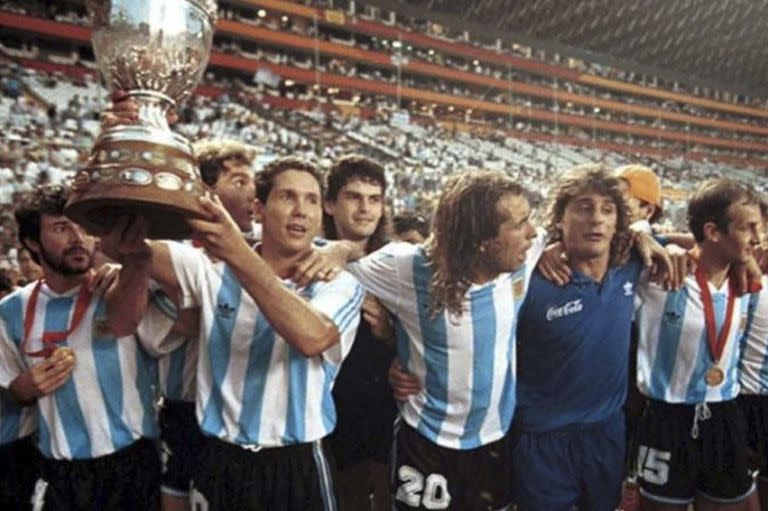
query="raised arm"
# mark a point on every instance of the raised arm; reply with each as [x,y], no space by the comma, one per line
[127,298]
[298,322]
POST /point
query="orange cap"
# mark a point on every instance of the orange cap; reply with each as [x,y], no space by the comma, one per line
[644,184]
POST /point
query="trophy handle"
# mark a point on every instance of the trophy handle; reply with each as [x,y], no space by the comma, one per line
[153,107]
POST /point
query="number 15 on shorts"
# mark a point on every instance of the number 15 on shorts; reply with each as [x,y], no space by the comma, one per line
[415,490]
[653,465]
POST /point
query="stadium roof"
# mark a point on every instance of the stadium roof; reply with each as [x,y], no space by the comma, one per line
[718,43]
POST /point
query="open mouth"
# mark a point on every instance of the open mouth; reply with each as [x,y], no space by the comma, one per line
[297,230]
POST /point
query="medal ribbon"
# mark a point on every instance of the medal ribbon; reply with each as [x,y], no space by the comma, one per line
[51,339]
[716,342]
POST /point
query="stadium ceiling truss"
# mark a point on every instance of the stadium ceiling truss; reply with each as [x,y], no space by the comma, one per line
[719,43]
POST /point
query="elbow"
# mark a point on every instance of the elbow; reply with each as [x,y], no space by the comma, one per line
[315,345]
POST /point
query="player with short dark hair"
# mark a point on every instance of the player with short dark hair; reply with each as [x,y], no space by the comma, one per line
[362,440]
[753,379]
[692,436]
[73,355]
[269,350]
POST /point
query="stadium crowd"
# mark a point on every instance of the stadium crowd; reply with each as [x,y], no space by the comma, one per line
[51,125]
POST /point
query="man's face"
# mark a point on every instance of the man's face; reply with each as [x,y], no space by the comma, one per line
[28,267]
[589,225]
[413,236]
[506,252]
[64,247]
[743,233]
[237,190]
[638,209]
[357,209]
[292,215]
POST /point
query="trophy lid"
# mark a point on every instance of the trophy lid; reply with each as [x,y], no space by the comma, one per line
[210,7]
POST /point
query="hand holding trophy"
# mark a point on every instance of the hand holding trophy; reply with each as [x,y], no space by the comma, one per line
[156,51]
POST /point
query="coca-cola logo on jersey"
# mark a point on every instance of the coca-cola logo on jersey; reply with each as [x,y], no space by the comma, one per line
[564,310]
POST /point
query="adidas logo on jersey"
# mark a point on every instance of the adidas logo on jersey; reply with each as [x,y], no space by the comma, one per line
[224,310]
[564,310]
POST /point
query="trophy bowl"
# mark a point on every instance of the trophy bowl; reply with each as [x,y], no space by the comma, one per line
[156,51]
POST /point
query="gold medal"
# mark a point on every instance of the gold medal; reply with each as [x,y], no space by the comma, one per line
[714,376]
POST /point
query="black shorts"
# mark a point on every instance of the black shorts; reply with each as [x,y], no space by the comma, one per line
[291,478]
[126,479]
[19,469]
[428,476]
[672,466]
[363,433]
[181,442]
[755,410]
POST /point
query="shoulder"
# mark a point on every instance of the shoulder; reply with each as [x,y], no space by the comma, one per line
[399,250]
[342,280]
[342,287]
[389,258]
[12,301]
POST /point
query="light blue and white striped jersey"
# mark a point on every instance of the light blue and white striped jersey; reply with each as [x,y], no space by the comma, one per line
[753,372]
[252,386]
[107,403]
[673,354]
[15,421]
[177,371]
[465,364]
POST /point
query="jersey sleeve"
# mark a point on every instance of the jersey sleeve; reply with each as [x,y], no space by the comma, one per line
[189,264]
[534,253]
[154,331]
[379,272]
[340,300]
[11,360]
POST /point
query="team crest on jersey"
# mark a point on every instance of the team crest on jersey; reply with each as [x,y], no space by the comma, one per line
[628,289]
[101,327]
[518,288]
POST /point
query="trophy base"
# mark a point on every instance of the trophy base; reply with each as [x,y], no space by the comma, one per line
[99,215]
[138,170]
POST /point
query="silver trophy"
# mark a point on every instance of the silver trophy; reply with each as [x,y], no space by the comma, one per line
[156,51]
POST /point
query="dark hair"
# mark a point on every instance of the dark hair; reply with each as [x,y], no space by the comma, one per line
[265,179]
[466,216]
[410,221]
[710,203]
[582,179]
[6,284]
[212,155]
[344,170]
[49,200]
